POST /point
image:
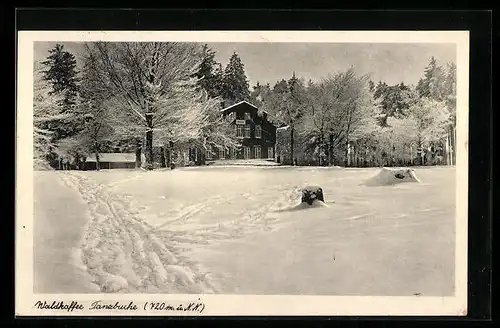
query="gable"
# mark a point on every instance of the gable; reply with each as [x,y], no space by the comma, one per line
[242,106]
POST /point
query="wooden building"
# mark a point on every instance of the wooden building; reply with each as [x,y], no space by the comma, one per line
[253,128]
[111,161]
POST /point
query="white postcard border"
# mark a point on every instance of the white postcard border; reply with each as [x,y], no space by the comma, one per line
[236,304]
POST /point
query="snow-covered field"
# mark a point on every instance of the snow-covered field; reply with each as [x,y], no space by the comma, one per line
[231,230]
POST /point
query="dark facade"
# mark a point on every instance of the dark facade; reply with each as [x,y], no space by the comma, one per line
[89,166]
[255,131]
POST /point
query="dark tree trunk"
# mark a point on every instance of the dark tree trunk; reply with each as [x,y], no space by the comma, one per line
[330,149]
[149,115]
[420,151]
[162,157]
[171,156]
[138,152]
[167,157]
[347,150]
[292,141]
[77,162]
[149,141]
[203,160]
[97,161]
[97,158]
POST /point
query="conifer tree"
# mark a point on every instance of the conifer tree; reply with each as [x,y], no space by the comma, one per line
[209,73]
[430,85]
[236,85]
[61,73]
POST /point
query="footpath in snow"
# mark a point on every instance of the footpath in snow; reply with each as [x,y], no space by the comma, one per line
[122,253]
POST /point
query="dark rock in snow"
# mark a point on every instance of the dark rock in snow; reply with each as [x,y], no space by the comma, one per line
[312,193]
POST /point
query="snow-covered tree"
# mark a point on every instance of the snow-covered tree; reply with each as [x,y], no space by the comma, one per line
[340,109]
[260,94]
[47,108]
[92,136]
[236,86]
[431,85]
[397,141]
[154,87]
[431,119]
[360,107]
[210,73]
[287,103]
[394,99]
[60,70]
[450,89]
[213,129]
[92,113]
[322,122]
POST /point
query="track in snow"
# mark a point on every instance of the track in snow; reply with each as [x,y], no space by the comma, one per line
[124,254]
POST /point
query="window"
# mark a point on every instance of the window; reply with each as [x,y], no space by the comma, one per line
[239,131]
[222,153]
[247,131]
[246,152]
[258,132]
[208,154]
[247,116]
[270,152]
[258,151]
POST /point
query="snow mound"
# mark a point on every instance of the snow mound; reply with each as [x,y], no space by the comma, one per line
[304,206]
[391,176]
[291,201]
[41,165]
[241,162]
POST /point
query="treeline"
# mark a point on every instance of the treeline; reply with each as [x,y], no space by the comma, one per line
[149,97]
[347,119]
[143,97]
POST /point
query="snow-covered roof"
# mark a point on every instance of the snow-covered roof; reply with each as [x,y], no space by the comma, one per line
[239,103]
[113,157]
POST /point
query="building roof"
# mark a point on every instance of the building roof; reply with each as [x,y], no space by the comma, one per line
[240,103]
[284,127]
[270,118]
[113,157]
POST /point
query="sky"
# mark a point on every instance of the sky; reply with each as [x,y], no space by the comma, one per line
[270,62]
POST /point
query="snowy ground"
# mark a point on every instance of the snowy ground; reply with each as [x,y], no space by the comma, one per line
[230,230]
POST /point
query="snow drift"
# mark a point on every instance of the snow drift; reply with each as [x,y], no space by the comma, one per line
[391,176]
